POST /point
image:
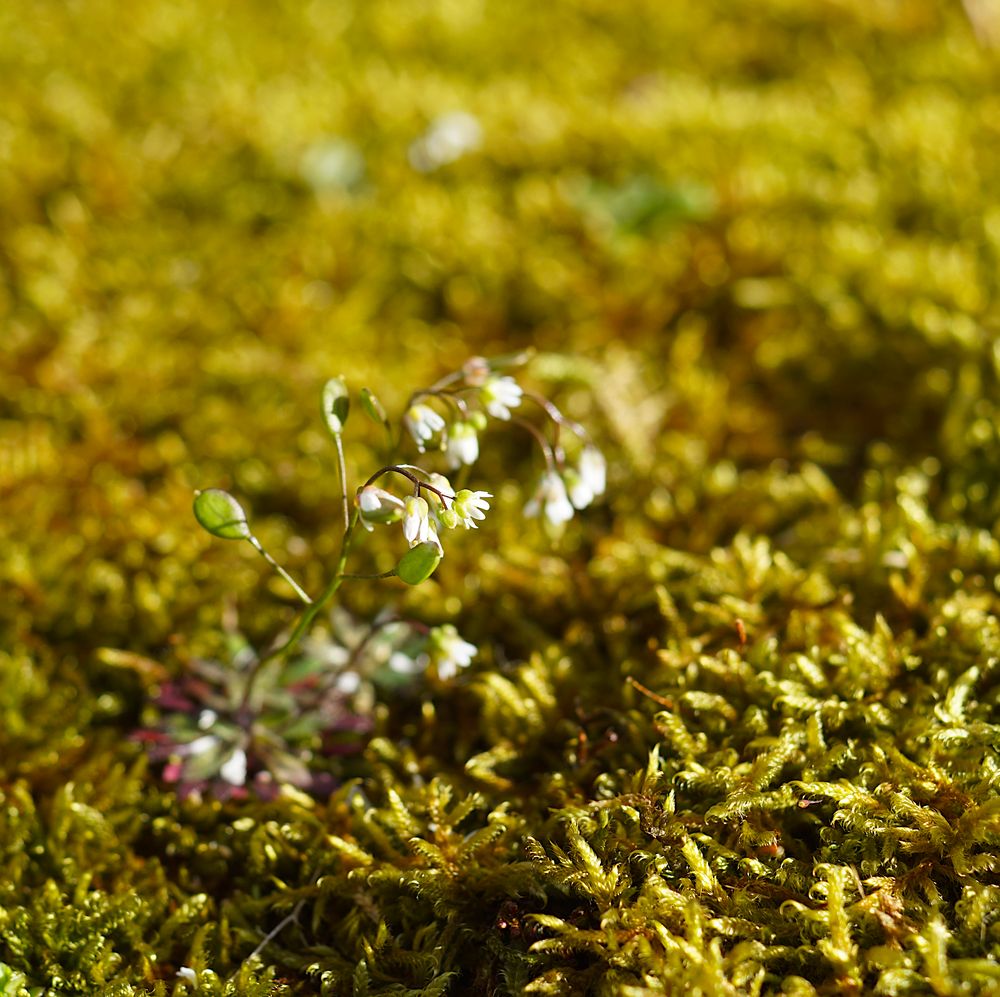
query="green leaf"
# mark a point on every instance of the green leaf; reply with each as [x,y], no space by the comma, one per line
[373,407]
[418,563]
[219,513]
[336,403]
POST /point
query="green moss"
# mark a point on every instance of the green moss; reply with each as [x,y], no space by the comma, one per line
[736,732]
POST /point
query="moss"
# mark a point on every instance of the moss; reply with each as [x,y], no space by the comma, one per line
[736,732]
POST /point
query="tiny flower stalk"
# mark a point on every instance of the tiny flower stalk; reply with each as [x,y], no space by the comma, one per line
[336,405]
[307,618]
[222,516]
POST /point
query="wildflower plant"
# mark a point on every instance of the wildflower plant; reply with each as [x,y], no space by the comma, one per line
[262,719]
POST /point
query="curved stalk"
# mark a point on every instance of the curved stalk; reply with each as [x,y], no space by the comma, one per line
[402,469]
[551,455]
[299,591]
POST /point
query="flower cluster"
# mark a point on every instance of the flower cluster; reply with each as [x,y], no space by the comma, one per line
[560,493]
[473,395]
[433,507]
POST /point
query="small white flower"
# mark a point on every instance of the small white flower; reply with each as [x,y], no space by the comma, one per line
[403,664]
[333,164]
[234,770]
[199,745]
[463,444]
[449,137]
[188,974]
[207,719]
[449,652]
[347,683]
[470,506]
[442,506]
[580,493]
[432,536]
[593,469]
[416,521]
[443,485]
[550,498]
[499,395]
[368,500]
[475,370]
[378,506]
[422,422]
[374,499]
[418,527]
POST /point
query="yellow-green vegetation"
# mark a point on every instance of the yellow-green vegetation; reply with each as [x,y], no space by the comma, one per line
[737,731]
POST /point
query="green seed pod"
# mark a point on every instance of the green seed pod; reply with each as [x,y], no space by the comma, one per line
[418,563]
[221,515]
[373,407]
[336,403]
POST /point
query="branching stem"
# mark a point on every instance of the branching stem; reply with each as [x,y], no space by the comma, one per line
[402,469]
[310,613]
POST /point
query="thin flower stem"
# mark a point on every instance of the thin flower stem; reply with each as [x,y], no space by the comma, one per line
[310,613]
[299,591]
[547,451]
[391,443]
[446,396]
[446,381]
[436,390]
[343,480]
[552,411]
[373,630]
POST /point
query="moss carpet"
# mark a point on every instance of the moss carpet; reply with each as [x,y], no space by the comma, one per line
[736,732]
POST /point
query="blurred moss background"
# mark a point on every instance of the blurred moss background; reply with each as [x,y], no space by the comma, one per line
[764,235]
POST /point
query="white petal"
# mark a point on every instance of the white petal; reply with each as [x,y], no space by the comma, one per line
[199,745]
[559,511]
[234,771]
[368,500]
